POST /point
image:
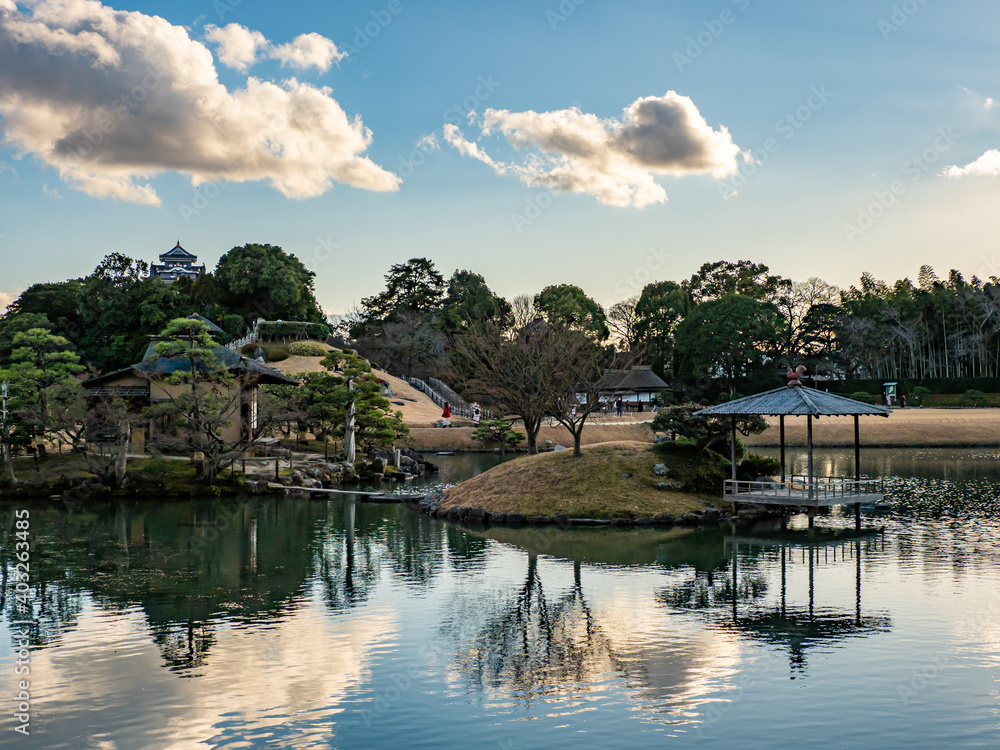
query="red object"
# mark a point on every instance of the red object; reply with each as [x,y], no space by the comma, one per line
[447,411]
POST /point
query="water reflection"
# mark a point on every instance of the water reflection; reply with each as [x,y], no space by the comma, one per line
[739,601]
[337,624]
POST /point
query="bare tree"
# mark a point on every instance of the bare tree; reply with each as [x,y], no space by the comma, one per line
[108,428]
[623,322]
[506,371]
[577,374]
[523,310]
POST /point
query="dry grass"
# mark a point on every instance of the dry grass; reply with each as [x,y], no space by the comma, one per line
[905,428]
[590,486]
[418,410]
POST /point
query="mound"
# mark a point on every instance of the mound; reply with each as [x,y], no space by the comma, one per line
[591,486]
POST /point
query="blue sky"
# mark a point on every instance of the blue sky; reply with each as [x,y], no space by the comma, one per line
[842,119]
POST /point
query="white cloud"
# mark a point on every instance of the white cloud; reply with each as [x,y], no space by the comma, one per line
[111,98]
[987,165]
[51,192]
[5,299]
[238,47]
[308,51]
[615,160]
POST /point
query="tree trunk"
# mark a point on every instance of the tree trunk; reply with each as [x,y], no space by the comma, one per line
[531,427]
[577,435]
[8,465]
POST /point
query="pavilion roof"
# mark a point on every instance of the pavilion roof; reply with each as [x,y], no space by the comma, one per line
[797,401]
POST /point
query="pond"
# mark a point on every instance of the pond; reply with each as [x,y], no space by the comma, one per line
[299,624]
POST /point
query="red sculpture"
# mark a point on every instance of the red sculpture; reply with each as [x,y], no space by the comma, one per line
[795,376]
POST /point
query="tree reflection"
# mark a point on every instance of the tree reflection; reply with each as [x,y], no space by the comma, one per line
[737,602]
[349,564]
[415,545]
[535,644]
[187,565]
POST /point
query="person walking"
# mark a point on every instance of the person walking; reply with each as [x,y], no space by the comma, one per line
[618,407]
[446,415]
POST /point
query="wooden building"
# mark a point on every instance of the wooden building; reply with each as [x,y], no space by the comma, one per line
[177,263]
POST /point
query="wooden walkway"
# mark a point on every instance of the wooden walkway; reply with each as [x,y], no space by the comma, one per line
[796,491]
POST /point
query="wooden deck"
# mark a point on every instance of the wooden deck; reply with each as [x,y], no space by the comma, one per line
[796,491]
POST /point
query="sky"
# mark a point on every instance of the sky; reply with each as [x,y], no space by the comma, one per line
[603,144]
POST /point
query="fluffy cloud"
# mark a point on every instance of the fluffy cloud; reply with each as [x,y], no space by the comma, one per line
[615,160]
[238,47]
[987,165]
[5,299]
[111,98]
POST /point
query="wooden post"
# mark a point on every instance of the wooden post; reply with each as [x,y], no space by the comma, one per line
[275,468]
[781,430]
[857,516]
[809,448]
[857,450]
[732,446]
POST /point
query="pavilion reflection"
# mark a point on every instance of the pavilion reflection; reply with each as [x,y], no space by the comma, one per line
[737,602]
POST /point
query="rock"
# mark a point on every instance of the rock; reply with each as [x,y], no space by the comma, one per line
[626,475]
[589,522]
[516,519]
[710,516]
[539,520]
[548,442]
[496,518]
[455,513]
[620,522]
[668,485]
[663,518]
[378,465]
[558,447]
[476,515]
[646,521]
[562,520]
[660,470]
[440,512]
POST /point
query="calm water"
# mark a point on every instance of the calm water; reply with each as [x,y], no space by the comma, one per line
[280,623]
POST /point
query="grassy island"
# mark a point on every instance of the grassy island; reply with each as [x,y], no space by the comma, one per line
[610,480]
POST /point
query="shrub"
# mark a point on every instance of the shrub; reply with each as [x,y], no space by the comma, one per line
[276,354]
[754,466]
[306,349]
[919,395]
[497,431]
[973,397]
[863,396]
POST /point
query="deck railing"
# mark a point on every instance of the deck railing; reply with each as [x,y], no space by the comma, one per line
[798,488]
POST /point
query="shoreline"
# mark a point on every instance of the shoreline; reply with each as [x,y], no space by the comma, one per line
[904,428]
